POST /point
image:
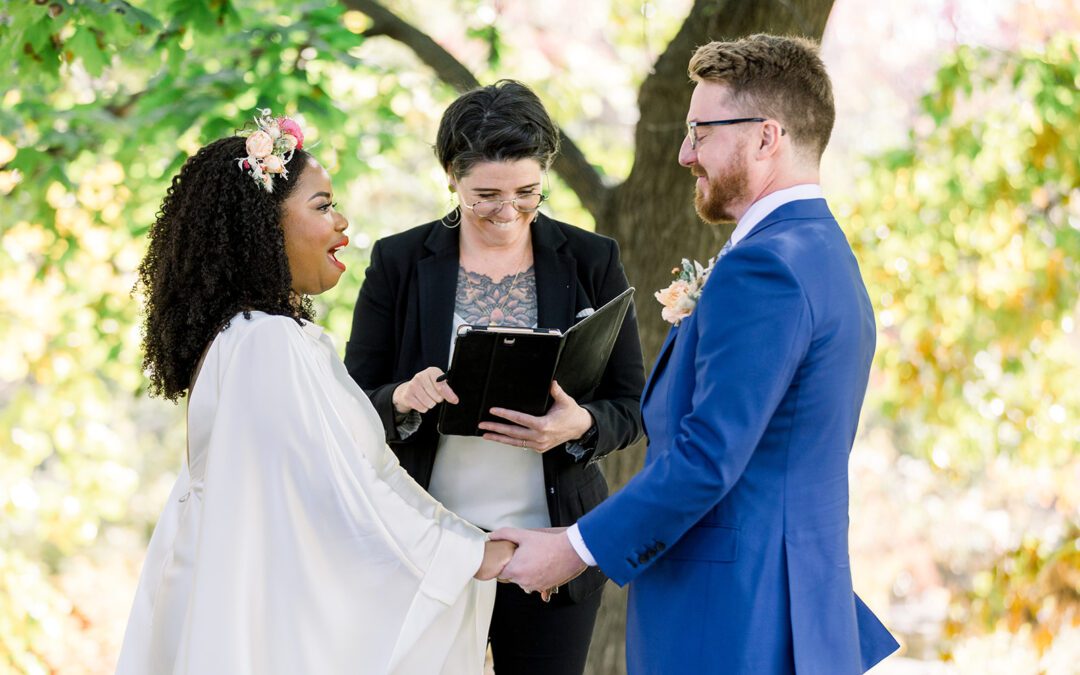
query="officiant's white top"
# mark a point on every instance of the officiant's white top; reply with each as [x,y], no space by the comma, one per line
[293,542]
[489,484]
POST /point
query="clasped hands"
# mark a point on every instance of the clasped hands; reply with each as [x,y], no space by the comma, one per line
[565,421]
[536,560]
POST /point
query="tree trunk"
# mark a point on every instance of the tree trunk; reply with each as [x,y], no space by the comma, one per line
[652,217]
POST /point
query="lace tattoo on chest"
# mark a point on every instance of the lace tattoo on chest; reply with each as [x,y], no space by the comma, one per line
[509,302]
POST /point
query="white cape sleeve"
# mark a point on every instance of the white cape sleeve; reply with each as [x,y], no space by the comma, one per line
[316,551]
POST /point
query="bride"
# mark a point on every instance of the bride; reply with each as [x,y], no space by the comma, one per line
[293,542]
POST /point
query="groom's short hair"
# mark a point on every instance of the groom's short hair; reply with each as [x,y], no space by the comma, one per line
[774,76]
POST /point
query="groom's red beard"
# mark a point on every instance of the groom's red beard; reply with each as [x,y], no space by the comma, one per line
[724,190]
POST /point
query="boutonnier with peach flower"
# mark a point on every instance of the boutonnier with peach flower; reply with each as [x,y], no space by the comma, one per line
[270,147]
[681,296]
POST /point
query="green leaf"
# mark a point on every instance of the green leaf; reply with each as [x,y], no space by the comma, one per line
[143,21]
[84,45]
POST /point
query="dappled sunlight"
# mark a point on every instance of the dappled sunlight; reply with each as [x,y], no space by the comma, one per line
[953,170]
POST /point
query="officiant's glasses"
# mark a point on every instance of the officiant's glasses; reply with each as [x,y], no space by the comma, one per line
[691,127]
[486,208]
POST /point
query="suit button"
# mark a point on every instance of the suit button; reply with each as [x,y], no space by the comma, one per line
[642,558]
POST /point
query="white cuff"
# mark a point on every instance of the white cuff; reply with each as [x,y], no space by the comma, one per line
[574,534]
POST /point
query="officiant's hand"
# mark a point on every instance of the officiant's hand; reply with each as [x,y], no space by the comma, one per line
[565,421]
[496,555]
[423,392]
[544,559]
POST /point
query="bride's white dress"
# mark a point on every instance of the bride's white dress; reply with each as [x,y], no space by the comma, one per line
[293,542]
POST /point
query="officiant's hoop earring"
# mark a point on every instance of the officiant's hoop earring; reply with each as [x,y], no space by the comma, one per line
[452,219]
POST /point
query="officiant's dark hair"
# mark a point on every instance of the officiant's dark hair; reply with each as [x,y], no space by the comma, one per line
[501,122]
[216,248]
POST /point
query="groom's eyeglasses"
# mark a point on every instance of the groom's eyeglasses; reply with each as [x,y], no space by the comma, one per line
[691,127]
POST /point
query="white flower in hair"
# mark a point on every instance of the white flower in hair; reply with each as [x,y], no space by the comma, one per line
[273,164]
[259,145]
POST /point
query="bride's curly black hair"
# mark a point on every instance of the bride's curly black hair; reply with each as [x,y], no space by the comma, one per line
[216,248]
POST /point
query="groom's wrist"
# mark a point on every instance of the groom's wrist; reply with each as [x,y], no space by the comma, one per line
[578,543]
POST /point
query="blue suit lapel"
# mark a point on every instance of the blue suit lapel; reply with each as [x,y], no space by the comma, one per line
[661,360]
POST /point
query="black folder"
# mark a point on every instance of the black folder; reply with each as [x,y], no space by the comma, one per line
[505,367]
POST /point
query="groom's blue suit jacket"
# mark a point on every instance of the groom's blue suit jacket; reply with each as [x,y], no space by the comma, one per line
[735,533]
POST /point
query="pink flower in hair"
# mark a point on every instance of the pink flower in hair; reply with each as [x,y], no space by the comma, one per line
[289,126]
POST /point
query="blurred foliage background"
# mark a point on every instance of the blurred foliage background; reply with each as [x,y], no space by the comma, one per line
[955,170]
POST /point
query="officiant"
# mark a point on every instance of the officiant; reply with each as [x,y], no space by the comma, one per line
[495,259]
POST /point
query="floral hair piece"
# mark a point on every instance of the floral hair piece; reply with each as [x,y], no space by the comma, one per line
[270,147]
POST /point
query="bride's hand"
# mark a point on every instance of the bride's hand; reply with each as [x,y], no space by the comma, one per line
[423,392]
[496,555]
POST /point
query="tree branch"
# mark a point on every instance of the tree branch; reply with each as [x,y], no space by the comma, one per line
[582,177]
[570,164]
[385,22]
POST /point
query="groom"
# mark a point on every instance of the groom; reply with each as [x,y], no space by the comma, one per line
[733,536]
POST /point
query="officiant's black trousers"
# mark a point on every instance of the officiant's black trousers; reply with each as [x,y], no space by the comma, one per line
[532,637]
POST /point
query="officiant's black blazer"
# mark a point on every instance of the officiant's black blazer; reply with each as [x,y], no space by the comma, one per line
[403,321]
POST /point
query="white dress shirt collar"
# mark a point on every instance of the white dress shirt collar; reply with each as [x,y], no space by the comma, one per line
[769,203]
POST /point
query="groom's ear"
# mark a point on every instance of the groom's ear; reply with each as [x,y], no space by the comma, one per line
[770,137]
